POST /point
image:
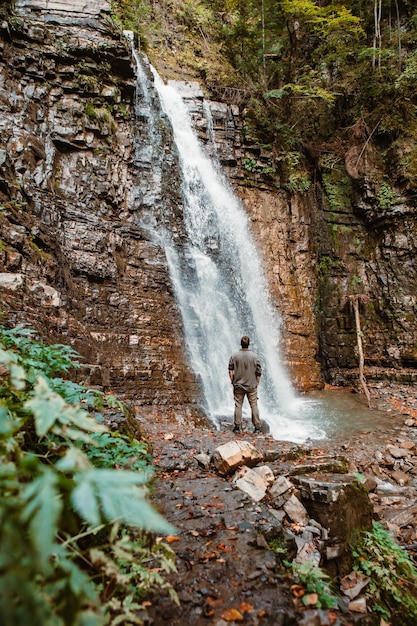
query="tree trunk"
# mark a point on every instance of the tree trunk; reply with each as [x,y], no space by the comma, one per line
[355,303]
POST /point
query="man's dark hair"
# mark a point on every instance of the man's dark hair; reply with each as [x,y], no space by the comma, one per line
[244,342]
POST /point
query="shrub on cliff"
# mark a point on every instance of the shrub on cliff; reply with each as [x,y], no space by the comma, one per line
[78,540]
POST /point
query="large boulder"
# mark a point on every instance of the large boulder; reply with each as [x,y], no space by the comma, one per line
[233,454]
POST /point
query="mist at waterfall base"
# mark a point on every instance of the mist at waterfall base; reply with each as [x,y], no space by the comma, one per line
[219,283]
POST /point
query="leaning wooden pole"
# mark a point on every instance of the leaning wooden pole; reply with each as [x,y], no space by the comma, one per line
[355,300]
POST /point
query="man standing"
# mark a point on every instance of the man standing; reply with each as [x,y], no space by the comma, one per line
[245,373]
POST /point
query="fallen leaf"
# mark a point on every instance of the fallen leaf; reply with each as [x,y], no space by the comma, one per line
[213,601]
[208,611]
[172,538]
[297,591]
[232,615]
[194,533]
[168,436]
[246,608]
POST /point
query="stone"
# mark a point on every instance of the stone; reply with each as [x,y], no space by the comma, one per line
[340,504]
[403,518]
[401,478]
[295,510]
[251,483]
[334,552]
[370,483]
[229,456]
[280,486]
[11,281]
[203,460]
[278,514]
[308,553]
[266,474]
[358,606]
[408,445]
[47,294]
[385,487]
[398,452]
[352,584]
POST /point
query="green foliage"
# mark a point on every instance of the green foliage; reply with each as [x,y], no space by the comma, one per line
[298,182]
[75,546]
[336,183]
[385,195]
[311,71]
[133,15]
[252,165]
[36,356]
[116,450]
[278,545]
[314,580]
[393,577]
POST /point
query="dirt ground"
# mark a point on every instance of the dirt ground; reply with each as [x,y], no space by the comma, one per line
[225,572]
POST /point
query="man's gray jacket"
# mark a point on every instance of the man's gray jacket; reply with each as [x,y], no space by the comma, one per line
[246,368]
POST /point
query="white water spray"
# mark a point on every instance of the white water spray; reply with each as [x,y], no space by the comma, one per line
[219,282]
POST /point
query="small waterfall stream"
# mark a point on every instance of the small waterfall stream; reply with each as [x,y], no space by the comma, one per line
[218,278]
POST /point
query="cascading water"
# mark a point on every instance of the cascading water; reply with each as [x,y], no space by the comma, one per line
[218,278]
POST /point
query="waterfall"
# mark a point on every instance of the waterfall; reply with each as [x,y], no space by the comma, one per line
[218,278]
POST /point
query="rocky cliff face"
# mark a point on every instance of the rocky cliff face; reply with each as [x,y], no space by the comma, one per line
[77,186]
[75,258]
[351,235]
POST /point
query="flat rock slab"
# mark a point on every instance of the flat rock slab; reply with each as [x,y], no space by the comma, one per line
[78,8]
[251,483]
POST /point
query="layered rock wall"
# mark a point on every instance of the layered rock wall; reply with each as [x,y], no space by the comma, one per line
[73,198]
[350,235]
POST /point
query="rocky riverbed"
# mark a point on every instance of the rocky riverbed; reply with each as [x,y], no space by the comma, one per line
[226,571]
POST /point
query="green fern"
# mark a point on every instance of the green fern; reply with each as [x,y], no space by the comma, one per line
[393,576]
[62,503]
